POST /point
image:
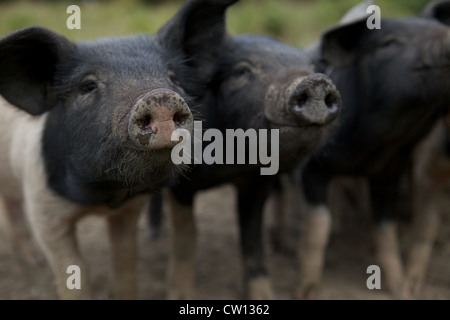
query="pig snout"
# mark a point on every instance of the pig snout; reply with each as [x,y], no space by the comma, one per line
[314,101]
[156,116]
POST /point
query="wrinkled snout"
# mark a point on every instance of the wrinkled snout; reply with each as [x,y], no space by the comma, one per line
[314,101]
[156,116]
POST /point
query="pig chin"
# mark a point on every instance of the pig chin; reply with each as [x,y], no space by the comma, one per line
[295,143]
[151,169]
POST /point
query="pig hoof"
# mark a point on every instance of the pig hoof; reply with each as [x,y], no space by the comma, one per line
[412,287]
[396,288]
[308,292]
[29,255]
[180,295]
[260,289]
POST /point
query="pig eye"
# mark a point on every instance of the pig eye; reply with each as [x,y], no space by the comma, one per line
[389,42]
[242,69]
[89,84]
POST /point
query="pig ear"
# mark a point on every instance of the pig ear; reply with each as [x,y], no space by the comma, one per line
[334,46]
[197,30]
[439,10]
[28,59]
[356,13]
[339,44]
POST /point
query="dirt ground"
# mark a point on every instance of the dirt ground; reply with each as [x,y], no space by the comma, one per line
[218,261]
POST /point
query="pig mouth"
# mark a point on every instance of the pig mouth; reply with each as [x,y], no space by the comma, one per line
[149,163]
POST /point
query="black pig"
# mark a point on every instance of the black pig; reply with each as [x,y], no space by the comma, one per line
[430,175]
[87,127]
[259,83]
[394,84]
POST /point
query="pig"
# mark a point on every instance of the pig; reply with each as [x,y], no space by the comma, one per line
[393,82]
[430,175]
[258,83]
[87,128]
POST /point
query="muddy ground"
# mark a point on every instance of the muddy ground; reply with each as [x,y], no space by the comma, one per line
[218,262]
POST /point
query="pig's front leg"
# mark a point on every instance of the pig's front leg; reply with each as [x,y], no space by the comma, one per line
[181,271]
[424,232]
[384,194]
[22,242]
[122,231]
[251,199]
[431,172]
[53,221]
[315,230]
[284,207]
[155,216]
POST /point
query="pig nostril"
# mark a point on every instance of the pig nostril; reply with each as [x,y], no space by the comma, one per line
[180,119]
[331,101]
[301,101]
[144,123]
[147,120]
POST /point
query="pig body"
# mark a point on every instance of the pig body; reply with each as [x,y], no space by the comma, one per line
[430,176]
[393,83]
[86,127]
[67,162]
[259,83]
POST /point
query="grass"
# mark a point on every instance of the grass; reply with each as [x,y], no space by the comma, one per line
[297,22]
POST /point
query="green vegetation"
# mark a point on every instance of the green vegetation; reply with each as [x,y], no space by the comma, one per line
[297,22]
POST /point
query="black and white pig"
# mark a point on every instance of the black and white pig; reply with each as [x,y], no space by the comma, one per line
[394,84]
[430,175]
[259,83]
[87,127]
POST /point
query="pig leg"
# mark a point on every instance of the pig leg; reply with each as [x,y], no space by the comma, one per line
[284,208]
[250,207]
[431,172]
[122,232]
[20,234]
[314,234]
[425,225]
[276,210]
[384,196]
[279,214]
[425,229]
[181,271]
[155,216]
[53,220]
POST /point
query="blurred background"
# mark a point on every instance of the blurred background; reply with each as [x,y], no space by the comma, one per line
[296,22]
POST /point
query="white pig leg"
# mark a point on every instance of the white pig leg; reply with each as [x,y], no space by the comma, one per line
[122,231]
[182,253]
[314,233]
[53,222]
[22,242]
